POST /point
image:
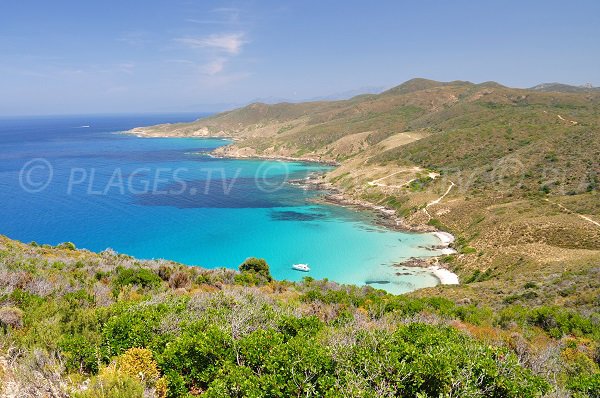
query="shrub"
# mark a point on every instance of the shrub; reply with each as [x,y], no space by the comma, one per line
[136,327]
[434,222]
[161,388]
[258,266]
[585,386]
[165,272]
[467,250]
[558,321]
[111,383]
[479,276]
[67,246]
[79,354]
[138,362]
[24,300]
[136,276]
[197,356]
[179,279]
[247,278]
[11,317]
[235,381]
[306,326]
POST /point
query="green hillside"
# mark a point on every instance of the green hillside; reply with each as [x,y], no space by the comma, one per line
[469,126]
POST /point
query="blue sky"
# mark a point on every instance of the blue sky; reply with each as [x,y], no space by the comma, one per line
[91,56]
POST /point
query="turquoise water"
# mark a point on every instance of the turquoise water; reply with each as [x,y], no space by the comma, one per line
[166,198]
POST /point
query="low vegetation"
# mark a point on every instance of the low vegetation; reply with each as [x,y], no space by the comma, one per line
[80,324]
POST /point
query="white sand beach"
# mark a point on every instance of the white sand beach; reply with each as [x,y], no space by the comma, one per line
[446,277]
[445,237]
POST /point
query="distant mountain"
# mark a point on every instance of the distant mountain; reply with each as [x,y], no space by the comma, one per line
[565,88]
[343,95]
[349,93]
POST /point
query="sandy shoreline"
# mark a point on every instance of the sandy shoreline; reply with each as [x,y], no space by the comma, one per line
[445,276]
[445,237]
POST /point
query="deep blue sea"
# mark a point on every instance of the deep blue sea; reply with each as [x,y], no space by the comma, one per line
[75,178]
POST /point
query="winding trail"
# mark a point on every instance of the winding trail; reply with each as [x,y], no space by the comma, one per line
[377,183]
[438,200]
[596,223]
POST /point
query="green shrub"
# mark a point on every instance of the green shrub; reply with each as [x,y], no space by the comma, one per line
[292,326]
[479,276]
[198,357]
[434,222]
[137,326]
[467,250]
[236,381]
[67,246]
[24,300]
[258,266]
[79,353]
[585,386]
[142,277]
[248,278]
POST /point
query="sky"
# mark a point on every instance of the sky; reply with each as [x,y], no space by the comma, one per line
[107,56]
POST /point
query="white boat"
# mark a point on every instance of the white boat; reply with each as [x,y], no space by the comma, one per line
[301,267]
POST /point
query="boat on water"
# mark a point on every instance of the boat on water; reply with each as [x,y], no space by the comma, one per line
[301,267]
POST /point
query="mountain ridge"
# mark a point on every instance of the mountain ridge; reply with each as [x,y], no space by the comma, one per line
[564,88]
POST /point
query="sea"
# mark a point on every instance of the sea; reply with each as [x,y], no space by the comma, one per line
[80,179]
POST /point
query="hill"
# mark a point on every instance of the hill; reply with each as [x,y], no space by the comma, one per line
[80,324]
[514,174]
[565,88]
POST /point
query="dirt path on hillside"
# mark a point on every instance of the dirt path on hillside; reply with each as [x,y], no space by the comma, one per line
[378,183]
[596,223]
[438,200]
